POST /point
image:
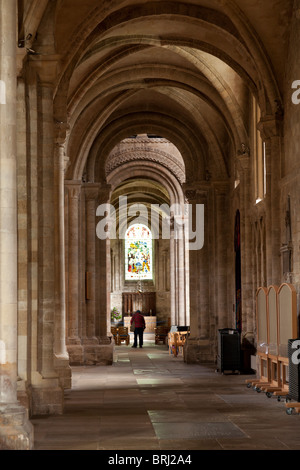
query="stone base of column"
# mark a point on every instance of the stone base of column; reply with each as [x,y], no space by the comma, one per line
[198,350]
[75,352]
[47,398]
[99,354]
[16,431]
[92,340]
[62,366]
[22,394]
[90,353]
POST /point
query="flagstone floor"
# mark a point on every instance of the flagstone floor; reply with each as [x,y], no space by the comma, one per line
[150,400]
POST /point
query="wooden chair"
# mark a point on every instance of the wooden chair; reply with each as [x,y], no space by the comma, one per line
[123,335]
[171,342]
[180,340]
[161,333]
[114,332]
[176,342]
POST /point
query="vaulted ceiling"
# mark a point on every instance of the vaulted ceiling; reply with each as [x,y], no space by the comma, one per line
[181,70]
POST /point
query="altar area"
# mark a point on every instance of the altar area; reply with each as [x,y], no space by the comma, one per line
[150,325]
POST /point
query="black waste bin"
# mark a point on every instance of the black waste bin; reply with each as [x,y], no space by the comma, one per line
[229,350]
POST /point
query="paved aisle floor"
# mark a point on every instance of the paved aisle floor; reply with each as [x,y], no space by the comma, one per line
[149,400]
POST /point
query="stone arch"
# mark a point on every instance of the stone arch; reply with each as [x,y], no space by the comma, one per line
[139,124]
[193,139]
[152,155]
[151,171]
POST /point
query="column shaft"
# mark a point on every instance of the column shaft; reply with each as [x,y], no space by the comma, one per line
[60,290]
[8,205]
[73,260]
[91,193]
[15,430]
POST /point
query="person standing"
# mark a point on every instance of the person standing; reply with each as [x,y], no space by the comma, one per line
[140,325]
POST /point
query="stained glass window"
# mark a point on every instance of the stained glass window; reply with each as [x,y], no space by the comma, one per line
[138,253]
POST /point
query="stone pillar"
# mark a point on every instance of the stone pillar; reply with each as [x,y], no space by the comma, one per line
[16,433]
[23,246]
[191,196]
[247,300]
[103,273]
[271,130]
[99,262]
[172,276]
[60,348]
[221,234]
[199,346]
[46,391]
[204,270]
[164,271]
[74,346]
[91,194]
[180,273]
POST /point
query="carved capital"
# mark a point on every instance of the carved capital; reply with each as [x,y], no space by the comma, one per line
[74,189]
[91,191]
[244,150]
[104,193]
[194,193]
[46,67]
[60,132]
[270,126]
[190,195]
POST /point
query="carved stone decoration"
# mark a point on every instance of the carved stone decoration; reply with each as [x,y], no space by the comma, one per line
[244,150]
[190,195]
[145,154]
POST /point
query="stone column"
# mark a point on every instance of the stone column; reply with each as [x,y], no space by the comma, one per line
[60,348]
[172,276]
[46,390]
[204,270]
[103,273]
[16,433]
[164,271]
[101,261]
[180,272]
[198,347]
[247,299]
[91,194]
[23,246]
[73,340]
[46,251]
[221,234]
[271,130]
[191,197]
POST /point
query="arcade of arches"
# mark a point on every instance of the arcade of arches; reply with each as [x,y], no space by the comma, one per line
[180,103]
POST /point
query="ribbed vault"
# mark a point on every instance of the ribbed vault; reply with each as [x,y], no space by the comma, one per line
[181,70]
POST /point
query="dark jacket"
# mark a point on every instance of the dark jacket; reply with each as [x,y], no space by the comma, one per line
[139,320]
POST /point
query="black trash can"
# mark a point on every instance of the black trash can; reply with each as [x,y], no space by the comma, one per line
[229,350]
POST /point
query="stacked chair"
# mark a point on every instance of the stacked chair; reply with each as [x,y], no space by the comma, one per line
[276,316]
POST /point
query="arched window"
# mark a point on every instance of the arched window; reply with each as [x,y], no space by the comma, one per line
[138,253]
